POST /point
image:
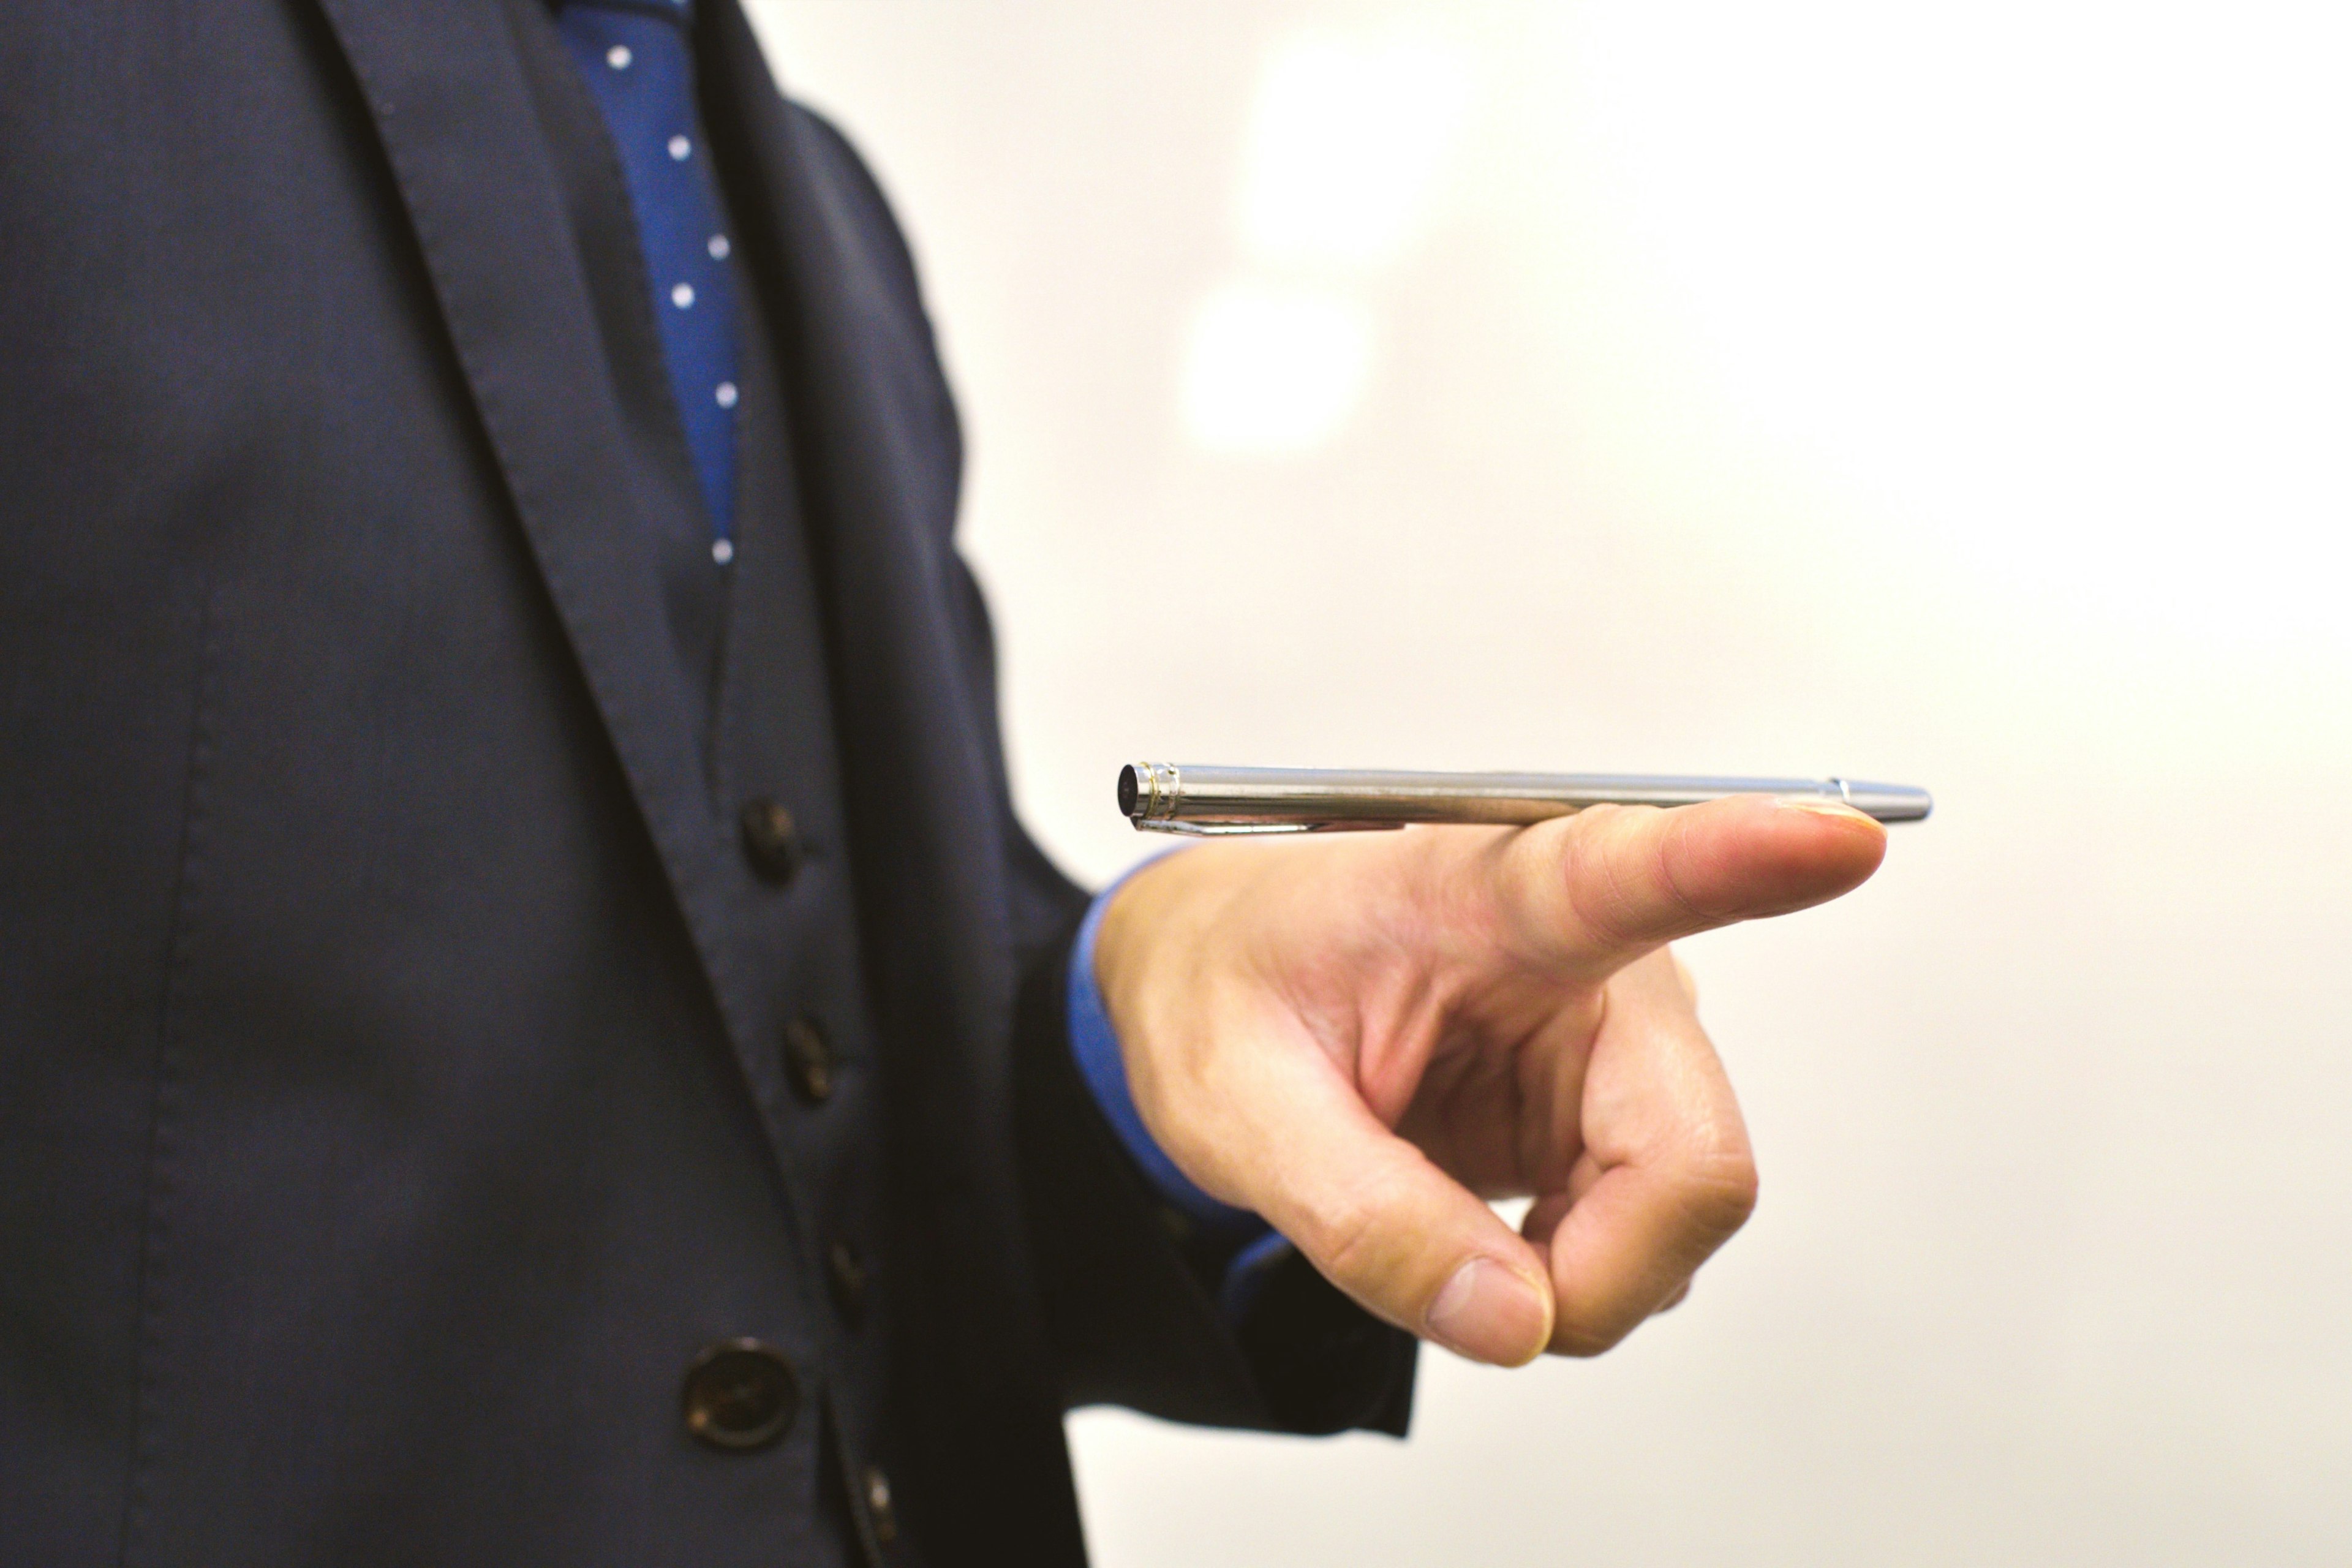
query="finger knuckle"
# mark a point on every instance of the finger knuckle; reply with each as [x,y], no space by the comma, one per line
[1344,1241]
[1347,1238]
[1610,895]
[1719,1193]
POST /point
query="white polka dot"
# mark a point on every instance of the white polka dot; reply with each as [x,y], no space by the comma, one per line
[618,56]
[726,394]
[722,550]
[682,296]
[681,149]
[719,247]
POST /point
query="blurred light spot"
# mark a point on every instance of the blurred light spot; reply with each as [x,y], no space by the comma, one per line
[2092,348]
[1344,147]
[1274,370]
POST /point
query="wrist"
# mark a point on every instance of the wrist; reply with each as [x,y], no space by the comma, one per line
[1136,912]
[1104,1054]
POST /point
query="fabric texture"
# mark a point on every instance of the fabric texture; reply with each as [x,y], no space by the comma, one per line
[404,1068]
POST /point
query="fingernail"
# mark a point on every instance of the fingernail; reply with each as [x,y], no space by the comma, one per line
[1490,1313]
[1825,808]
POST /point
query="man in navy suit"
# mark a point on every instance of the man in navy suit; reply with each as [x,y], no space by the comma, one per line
[528,1030]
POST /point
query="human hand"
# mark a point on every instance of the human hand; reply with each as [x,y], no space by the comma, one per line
[1364,1037]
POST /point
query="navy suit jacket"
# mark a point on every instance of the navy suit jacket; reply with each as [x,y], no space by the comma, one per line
[390,1101]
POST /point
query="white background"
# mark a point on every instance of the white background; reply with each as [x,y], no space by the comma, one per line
[1955,396]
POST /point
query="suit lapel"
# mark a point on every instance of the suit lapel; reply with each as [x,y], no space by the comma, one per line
[457,123]
[877,444]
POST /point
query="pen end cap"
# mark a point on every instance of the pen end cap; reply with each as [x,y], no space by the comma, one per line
[1887,803]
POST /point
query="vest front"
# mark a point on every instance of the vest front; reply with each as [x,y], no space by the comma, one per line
[750,653]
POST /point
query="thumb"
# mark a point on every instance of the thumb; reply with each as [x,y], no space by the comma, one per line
[1386,1225]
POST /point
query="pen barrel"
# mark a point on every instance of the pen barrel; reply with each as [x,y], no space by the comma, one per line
[1153,794]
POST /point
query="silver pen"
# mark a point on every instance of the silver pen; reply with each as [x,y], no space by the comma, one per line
[1173,797]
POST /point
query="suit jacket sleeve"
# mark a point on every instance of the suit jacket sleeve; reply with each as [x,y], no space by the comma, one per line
[1130,1296]
[1131,1317]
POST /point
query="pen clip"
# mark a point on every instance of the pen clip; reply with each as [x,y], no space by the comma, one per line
[1237,829]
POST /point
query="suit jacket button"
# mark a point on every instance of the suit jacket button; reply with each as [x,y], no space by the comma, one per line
[847,1275]
[740,1395]
[809,1060]
[877,1488]
[771,841]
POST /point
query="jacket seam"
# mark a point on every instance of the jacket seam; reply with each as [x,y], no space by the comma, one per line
[149,1270]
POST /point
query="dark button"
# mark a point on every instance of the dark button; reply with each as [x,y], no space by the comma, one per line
[849,1277]
[773,840]
[809,1060]
[877,1505]
[740,1395]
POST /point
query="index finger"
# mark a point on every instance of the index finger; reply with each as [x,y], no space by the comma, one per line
[1588,894]
[1667,1176]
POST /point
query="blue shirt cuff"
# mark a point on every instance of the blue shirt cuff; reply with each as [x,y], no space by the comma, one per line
[1094,1044]
[1247,1274]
